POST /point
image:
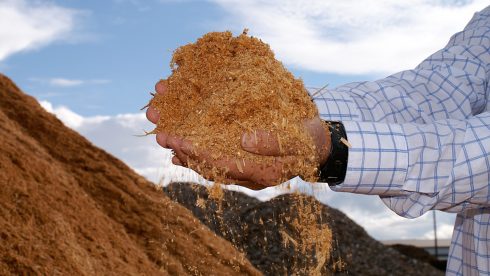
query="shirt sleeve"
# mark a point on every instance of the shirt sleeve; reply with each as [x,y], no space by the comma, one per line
[420,137]
[418,167]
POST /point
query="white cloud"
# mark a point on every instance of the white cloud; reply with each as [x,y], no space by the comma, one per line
[72,119]
[352,37]
[69,118]
[28,25]
[444,231]
[63,82]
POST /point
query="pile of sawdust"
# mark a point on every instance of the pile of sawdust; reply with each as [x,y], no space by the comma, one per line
[268,233]
[69,208]
[222,86]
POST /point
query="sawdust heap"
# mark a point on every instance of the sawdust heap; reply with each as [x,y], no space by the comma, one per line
[222,86]
[69,208]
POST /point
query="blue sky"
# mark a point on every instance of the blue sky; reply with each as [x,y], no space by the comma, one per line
[119,49]
[93,64]
[112,52]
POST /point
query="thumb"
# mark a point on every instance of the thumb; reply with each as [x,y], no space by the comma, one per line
[261,142]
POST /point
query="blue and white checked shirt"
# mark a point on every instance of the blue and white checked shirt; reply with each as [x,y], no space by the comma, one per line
[421,140]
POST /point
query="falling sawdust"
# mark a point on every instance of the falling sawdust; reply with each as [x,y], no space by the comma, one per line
[291,238]
[314,236]
[223,86]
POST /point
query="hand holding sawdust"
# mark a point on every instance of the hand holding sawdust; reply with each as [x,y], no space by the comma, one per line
[223,86]
[261,142]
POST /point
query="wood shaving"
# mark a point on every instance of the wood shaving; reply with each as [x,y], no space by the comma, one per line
[222,86]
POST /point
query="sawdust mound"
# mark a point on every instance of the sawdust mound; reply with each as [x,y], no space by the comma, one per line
[257,228]
[420,254]
[222,86]
[69,208]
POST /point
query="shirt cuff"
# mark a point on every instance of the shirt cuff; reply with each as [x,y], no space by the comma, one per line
[378,159]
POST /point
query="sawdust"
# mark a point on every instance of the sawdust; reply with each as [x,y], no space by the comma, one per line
[259,229]
[223,86]
[69,208]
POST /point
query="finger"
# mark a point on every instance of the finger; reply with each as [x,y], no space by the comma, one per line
[161,87]
[318,132]
[246,184]
[176,161]
[161,138]
[261,142]
[243,170]
[273,173]
[183,158]
[175,143]
[152,114]
[233,167]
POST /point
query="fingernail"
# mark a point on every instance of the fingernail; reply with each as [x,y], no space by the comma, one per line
[161,139]
[176,161]
[186,147]
[248,141]
[160,87]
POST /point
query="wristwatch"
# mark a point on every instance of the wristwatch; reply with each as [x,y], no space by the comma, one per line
[334,170]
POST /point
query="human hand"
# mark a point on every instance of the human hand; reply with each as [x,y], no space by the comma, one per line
[245,173]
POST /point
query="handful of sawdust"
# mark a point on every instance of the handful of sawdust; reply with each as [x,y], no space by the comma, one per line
[223,86]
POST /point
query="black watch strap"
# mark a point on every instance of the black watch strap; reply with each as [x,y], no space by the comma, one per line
[334,170]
